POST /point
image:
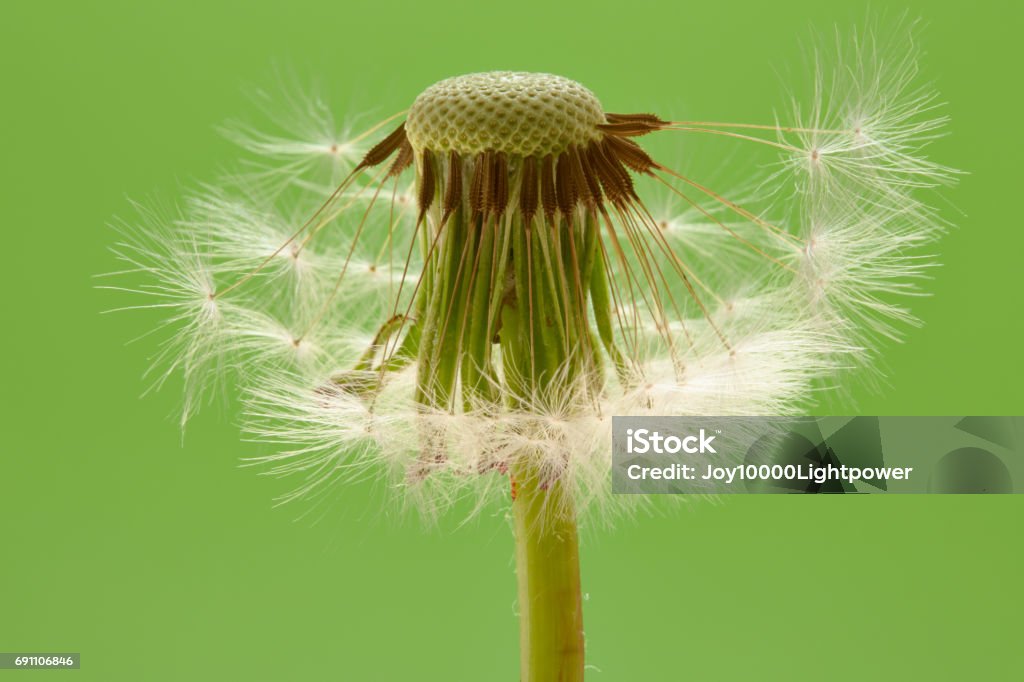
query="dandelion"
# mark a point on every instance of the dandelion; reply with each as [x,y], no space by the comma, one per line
[472,333]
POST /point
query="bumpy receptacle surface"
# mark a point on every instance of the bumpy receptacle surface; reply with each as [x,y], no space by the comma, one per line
[516,113]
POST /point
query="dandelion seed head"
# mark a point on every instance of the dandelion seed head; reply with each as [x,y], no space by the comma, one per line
[491,315]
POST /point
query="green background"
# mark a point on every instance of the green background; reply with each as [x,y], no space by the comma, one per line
[163,560]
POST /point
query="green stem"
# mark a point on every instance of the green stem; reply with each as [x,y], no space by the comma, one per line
[526,285]
[547,545]
[548,572]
